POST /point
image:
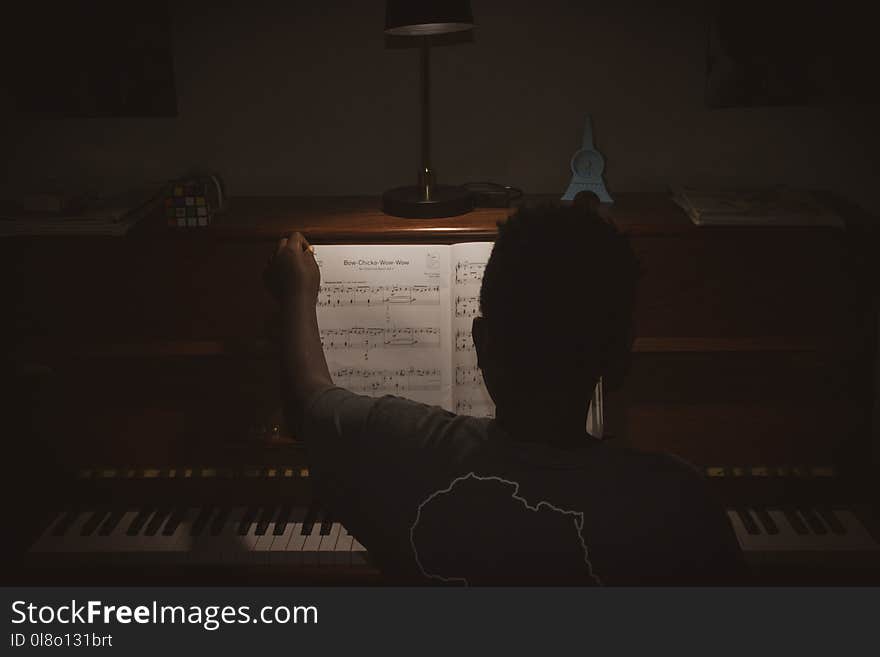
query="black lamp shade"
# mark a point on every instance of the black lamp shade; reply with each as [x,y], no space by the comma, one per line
[425,17]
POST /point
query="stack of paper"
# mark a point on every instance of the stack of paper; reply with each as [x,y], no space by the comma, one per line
[770,207]
[112,215]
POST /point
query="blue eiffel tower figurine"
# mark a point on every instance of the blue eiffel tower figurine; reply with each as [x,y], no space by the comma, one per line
[587,165]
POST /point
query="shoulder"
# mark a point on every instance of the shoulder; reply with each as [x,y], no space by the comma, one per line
[661,464]
[663,477]
[390,408]
[427,426]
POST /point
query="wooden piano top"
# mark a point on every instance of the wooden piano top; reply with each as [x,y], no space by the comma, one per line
[715,289]
[360,219]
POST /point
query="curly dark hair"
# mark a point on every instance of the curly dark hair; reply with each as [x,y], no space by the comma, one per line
[559,290]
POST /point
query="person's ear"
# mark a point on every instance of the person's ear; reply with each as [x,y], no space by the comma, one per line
[481,339]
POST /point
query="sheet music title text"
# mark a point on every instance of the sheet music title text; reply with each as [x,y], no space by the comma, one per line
[374,263]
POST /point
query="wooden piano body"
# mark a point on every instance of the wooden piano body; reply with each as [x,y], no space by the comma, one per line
[134,361]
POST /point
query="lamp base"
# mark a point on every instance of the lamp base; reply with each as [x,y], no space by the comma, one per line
[446,201]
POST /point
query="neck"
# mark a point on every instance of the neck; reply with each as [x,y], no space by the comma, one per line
[544,423]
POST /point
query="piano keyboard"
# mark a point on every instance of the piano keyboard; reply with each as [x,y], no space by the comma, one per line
[250,535]
[298,536]
[800,530]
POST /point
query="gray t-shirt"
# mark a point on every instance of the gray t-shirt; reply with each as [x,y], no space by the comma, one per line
[435,496]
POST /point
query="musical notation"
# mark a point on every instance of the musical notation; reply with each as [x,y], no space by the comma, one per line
[466,375]
[464,341]
[469,272]
[366,338]
[475,408]
[467,306]
[342,295]
[387,380]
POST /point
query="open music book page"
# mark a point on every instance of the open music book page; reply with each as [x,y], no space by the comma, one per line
[467,263]
[396,319]
[384,318]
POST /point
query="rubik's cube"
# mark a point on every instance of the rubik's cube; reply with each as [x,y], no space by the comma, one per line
[187,206]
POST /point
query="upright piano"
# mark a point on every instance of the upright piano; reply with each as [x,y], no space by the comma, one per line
[144,441]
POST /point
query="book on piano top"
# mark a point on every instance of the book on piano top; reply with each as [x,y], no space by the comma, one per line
[776,206]
[113,214]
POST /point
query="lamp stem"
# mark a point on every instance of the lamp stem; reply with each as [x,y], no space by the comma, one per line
[426,175]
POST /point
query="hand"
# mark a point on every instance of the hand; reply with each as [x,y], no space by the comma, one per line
[292,272]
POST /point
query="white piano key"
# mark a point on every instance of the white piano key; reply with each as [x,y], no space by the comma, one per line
[294,551]
[857,536]
[82,544]
[358,553]
[230,544]
[343,547]
[311,546]
[278,548]
[793,541]
[102,543]
[180,541]
[69,544]
[262,548]
[202,547]
[156,542]
[74,542]
[222,547]
[133,548]
[248,542]
[118,545]
[161,545]
[327,548]
[47,542]
[264,542]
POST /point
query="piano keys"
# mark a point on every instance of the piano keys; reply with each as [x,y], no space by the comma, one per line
[297,536]
[801,530]
[193,535]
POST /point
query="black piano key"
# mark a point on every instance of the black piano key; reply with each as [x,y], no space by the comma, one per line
[64,523]
[326,526]
[138,523]
[111,522]
[814,522]
[174,521]
[795,521]
[748,521]
[91,525]
[219,521]
[832,521]
[310,520]
[156,522]
[281,521]
[265,517]
[247,520]
[201,521]
[767,521]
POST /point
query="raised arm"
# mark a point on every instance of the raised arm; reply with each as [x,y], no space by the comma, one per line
[293,278]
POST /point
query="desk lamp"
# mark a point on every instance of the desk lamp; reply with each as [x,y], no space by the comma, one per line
[422,19]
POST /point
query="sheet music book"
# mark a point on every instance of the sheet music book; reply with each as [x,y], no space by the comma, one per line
[396,319]
[113,215]
[777,206]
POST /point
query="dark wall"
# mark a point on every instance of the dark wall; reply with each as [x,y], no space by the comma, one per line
[284,100]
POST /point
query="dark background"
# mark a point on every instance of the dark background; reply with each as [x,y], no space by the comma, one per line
[295,98]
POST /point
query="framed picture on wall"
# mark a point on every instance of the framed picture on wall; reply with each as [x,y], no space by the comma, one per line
[92,58]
